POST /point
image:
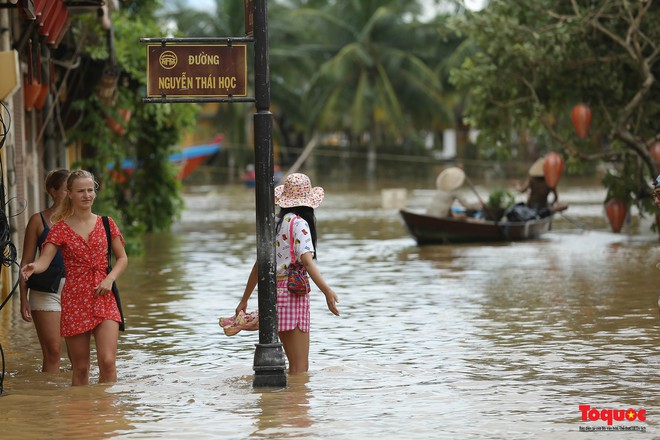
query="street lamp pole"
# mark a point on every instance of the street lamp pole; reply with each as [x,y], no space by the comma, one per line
[269,363]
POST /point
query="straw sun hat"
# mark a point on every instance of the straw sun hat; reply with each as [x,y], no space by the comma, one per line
[297,191]
[536,170]
[450,179]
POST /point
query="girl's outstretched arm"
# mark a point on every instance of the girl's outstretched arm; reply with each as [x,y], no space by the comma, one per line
[249,288]
[331,297]
[40,264]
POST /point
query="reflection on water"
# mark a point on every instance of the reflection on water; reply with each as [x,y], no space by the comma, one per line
[467,341]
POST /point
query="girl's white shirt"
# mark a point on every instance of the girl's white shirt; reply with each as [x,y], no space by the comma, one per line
[302,238]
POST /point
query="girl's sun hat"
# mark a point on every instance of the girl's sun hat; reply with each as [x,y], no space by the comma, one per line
[297,191]
[450,179]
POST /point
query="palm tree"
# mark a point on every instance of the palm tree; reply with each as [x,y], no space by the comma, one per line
[360,67]
[369,82]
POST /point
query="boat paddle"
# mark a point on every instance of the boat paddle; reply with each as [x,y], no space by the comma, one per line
[486,209]
[474,190]
[575,222]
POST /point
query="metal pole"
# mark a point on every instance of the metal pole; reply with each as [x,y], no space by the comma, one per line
[269,363]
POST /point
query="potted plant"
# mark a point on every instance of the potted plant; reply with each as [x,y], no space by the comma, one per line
[499,200]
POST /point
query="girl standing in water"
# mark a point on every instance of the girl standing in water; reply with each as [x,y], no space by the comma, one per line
[296,224]
[44,308]
[88,305]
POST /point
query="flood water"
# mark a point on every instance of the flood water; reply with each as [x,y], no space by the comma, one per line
[464,341]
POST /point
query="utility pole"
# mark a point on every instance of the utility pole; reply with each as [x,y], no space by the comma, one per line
[269,361]
[213,70]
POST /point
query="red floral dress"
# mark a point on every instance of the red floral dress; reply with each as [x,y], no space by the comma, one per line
[85,263]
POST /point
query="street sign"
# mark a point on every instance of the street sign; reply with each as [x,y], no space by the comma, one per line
[194,70]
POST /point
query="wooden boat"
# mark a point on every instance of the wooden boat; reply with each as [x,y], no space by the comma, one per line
[429,230]
[190,158]
[187,160]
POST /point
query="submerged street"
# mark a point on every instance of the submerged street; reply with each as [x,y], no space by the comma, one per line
[466,341]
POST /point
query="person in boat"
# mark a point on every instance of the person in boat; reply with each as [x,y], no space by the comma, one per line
[250,175]
[539,191]
[447,185]
[656,192]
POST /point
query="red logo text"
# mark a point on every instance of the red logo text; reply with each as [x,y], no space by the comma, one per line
[594,414]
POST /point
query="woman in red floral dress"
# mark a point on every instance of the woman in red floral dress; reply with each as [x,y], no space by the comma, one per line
[88,305]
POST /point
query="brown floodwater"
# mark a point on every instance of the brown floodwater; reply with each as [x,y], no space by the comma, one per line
[465,341]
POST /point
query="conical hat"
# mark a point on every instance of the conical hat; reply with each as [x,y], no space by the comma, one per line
[450,179]
[536,170]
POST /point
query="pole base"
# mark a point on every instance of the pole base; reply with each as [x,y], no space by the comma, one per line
[269,366]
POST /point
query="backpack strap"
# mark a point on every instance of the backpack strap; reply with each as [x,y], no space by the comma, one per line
[106,225]
[115,292]
[291,241]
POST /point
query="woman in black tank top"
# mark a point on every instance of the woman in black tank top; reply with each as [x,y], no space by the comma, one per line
[43,308]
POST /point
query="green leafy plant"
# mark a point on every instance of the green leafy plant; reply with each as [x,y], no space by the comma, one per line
[500,198]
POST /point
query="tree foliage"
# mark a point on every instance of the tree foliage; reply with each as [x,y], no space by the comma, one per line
[369,68]
[367,76]
[533,61]
[149,199]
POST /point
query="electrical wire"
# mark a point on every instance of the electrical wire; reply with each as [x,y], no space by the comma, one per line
[8,252]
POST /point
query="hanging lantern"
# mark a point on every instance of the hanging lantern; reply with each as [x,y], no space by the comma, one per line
[553,166]
[654,151]
[616,212]
[581,118]
[119,128]
[31,92]
[31,87]
[40,101]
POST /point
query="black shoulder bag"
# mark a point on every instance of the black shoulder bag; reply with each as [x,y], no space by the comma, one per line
[48,280]
[115,290]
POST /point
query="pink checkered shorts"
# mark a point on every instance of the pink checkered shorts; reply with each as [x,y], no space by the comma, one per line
[292,310]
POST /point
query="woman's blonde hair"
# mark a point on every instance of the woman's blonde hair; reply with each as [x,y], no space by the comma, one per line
[65,210]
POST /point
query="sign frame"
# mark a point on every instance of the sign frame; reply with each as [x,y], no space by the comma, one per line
[196,70]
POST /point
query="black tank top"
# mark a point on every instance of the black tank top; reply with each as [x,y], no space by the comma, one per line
[58,261]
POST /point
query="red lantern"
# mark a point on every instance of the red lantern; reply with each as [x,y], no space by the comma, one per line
[654,151]
[115,126]
[31,90]
[616,213]
[43,94]
[553,166]
[581,118]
